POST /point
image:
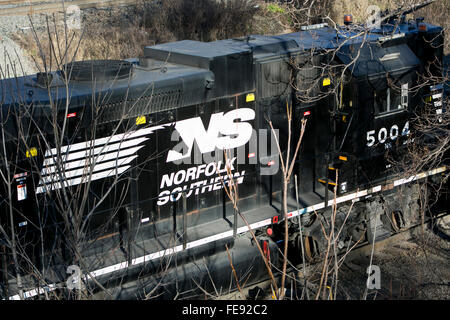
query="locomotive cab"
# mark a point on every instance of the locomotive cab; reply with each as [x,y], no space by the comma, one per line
[372,110]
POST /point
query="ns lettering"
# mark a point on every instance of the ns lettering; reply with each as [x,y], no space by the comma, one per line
[224,132]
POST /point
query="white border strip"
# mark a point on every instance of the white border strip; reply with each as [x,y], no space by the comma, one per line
[227,234]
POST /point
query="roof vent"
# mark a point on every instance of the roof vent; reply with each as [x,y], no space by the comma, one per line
[97,70]
[314,26]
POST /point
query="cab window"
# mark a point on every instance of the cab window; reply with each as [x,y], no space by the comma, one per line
[391,99]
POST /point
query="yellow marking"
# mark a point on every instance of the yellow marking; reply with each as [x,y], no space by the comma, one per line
[342,158]
[141,120]
[329,182]
[326,82]
[331,294]
[250,97]
[274,295]
[331,168]
[32,152]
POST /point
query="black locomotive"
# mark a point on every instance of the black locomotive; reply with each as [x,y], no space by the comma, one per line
[125,167]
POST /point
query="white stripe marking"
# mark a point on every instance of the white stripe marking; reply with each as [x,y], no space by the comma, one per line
[84,179]
[88,161]
[89,153]
[85,171]
[107,140]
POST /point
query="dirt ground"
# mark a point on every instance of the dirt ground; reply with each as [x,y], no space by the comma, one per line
[415,265]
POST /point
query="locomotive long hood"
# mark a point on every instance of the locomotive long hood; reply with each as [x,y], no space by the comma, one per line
[191,84]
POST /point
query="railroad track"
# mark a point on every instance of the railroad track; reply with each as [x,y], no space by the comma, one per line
[14,7]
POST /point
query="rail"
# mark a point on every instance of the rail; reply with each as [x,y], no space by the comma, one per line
[29,7]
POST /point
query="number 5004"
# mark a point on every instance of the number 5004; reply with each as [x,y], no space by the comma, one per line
[384,134]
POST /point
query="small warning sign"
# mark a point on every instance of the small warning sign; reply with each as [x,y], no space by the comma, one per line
[21,192]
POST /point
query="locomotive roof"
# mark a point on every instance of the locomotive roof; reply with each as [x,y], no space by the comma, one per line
[187,63]
[319,38]
[373,60]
